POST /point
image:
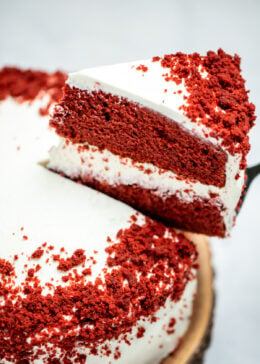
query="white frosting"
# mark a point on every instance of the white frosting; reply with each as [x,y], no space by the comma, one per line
[115,170]
[65,214]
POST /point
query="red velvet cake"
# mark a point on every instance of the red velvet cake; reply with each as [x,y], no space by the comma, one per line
[168,136]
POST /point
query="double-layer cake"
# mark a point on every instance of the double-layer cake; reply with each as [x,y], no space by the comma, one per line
[168,135]
[83,278]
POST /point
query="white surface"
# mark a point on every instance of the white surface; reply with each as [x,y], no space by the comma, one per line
[74,35]
[52,209]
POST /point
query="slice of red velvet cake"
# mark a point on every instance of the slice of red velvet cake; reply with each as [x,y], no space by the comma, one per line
[168,135]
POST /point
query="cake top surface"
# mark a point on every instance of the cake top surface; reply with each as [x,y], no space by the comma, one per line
[26,85]
[207,90]
[76,266]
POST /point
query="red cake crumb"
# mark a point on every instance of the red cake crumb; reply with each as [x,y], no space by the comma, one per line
[27,85]
[140,332]
[37,254]
[113,306]
[87,272]
[77,258]
[142,68]
[170,329]
[117,354]
[6,268]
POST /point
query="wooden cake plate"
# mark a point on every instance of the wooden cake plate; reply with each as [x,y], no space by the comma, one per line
[197,338]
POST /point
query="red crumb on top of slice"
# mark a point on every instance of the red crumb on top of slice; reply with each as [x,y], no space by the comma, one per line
[217,95]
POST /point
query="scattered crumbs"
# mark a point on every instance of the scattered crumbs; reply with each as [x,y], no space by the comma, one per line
[117,353]
[133,218]
[142,68]
[87,272]
[140,332]
[37,254]
[171,325]
[101,297]
[77,258]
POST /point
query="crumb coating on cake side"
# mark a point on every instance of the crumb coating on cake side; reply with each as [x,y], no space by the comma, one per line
[146,265]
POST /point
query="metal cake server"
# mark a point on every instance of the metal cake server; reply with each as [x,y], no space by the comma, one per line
[251,174]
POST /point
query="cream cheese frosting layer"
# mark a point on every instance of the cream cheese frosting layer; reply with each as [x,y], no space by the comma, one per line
[39,206]
[77,161]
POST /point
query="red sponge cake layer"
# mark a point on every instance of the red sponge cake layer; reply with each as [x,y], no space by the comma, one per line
[145,136]
[201,216]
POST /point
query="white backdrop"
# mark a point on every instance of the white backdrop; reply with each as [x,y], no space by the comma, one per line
[74,34]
